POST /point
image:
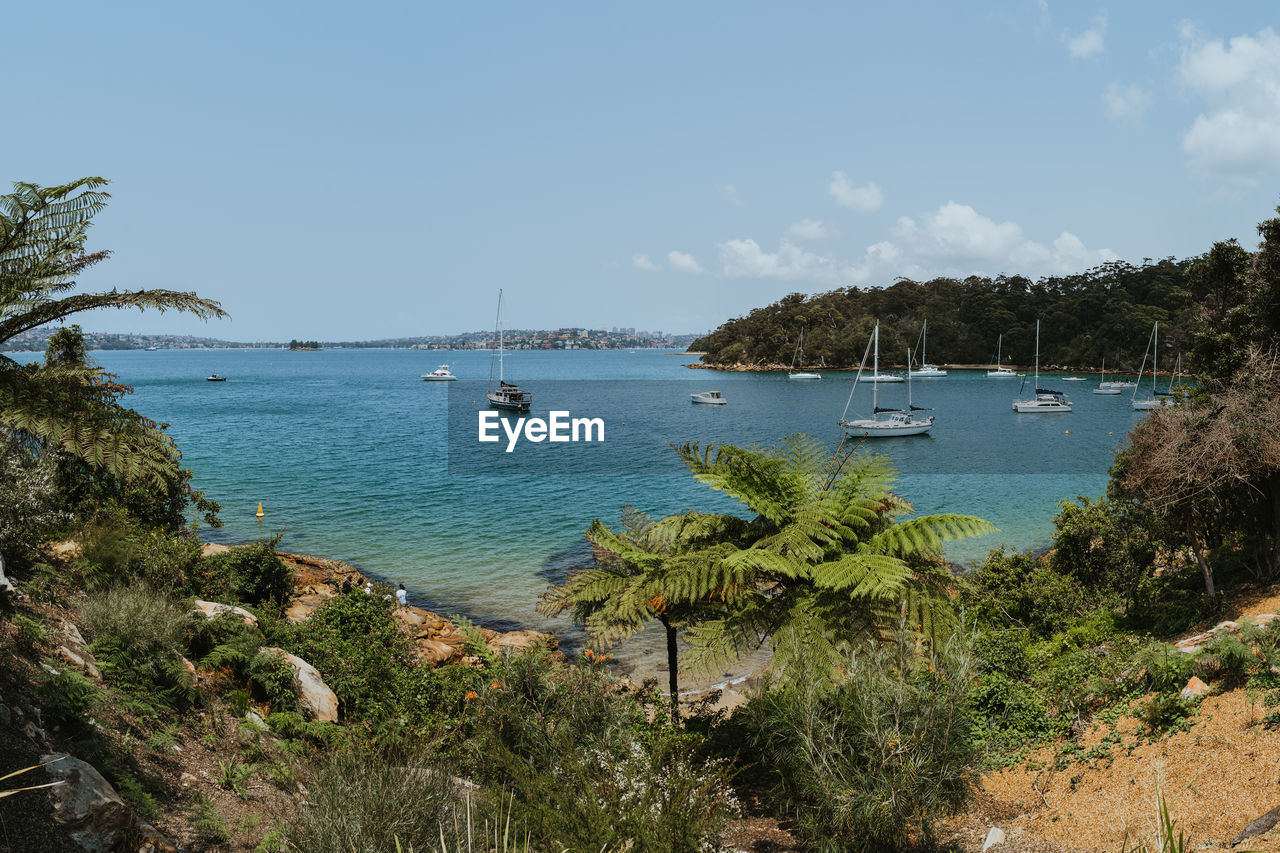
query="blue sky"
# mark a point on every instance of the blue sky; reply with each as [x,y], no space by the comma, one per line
[348,171]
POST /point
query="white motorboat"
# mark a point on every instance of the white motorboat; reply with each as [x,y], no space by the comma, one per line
[440,374]
[900,422]
[505,395]
[797,358]
[1045,400]
[710,398]
[1110,389]
[925,370]
[1001,372]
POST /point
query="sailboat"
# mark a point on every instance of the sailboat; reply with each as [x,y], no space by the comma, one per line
[797,358]
[1045,400]
[1105,387]
[927,370]
[1000,372]
[900,421]
[506,395]
[1158,398]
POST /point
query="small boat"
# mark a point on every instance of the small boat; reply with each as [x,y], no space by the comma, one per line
[1045,400]
[1158,398]
[1109,389]
[1001,372]
[900,422]
[506,395]
[926,370]
[1073,379]
[440,374]
[215,378]
[710,398]
[797,357]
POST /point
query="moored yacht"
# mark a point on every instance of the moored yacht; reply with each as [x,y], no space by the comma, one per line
[1045,400]
[506,395]
[1001,372]
[440,374]
[900,422]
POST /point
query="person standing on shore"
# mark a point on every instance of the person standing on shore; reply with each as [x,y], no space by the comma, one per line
[402,596]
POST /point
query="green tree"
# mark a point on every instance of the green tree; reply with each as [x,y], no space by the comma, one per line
[43,231]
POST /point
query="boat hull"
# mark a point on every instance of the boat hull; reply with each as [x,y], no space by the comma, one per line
[883,377]
[507,404]
[427,377]
[1109,392]
[804,376]
[884,429]
[1031,407]
[993,374]
[928,374]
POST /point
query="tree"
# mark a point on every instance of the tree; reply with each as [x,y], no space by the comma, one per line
[641,573]
[43,231]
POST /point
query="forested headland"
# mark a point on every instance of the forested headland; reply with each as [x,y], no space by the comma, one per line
[1102,313]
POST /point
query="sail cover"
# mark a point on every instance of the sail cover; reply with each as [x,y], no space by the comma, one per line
[881,410]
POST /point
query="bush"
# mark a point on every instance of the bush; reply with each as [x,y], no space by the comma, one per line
[1007,715]
[273,681]
[1019,589]
[252,573]
[886,751]
[137,634]
[355,643]
[30,507]
[372,802]
[587,766]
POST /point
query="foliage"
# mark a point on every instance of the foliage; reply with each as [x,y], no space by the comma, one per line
[587,767]
[28,633]
[252,573]
[354,642]
[234,776]
[43,231]
[208,821]
[30,506]
[138,635]
[372,802]
[1019,589]
[863,763]
[273,680]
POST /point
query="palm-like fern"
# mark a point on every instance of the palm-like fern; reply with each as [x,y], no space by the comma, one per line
[42,251]
[828,562]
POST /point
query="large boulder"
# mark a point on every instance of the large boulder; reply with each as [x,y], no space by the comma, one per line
[85,804]
[519,641]
[438,653]
[314,695]
[214,609]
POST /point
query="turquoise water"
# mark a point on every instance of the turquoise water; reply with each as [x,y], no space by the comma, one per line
[347,451]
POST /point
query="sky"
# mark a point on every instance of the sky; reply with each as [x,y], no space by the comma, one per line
[373,170]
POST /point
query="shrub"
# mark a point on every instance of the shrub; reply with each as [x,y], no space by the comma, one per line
[355,643]
[252,573]
[273,681]
[1007,715]
[888,749]
[372,802]
[28,633]
[30,507]
[1019,589]
[166,561]
[586,766]
[137,634]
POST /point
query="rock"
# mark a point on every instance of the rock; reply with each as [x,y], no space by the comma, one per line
[73,634]
[994,837]
[148,839]
[1226,626]
[6,586]
[1194,642]
[255,720]
[1195,688]
[1262,620]
[6,716]
[301,608]
[519,641]
[85,804]
[187,778]
[213,609]
[316,697]
[69,549]
[83,661]
[212,549]
[437,652]
[1259,826]
[49,669]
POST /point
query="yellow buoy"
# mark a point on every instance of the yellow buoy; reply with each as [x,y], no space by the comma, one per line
[260,512]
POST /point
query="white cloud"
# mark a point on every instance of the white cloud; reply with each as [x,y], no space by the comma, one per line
[864,199]
[684,262]
[1126,103]
[1239,81]
[955,240]
[731,194]
[1089,43]
[641,262]
[808,229]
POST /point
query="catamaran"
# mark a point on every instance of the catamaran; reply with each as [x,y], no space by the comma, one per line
[900,421]
[1001,372]
[797,357]
[506,395]
[1158,398]
[926,370]
[1045,400]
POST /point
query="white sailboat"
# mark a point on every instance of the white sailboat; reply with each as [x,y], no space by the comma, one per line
[506,395]
[797,357]
[1001,372]
[926,370]
[900,421]
[1044,401]
[1105,387]
[1158,398]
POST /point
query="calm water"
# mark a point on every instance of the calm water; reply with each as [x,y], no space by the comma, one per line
[347,451]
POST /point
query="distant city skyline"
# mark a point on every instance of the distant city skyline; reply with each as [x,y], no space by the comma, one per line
[380,171]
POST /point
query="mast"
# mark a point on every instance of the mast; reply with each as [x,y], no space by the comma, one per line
[909,414]
[1037,356]
[999,341]
[924,347]
[1155,358]
[875,375]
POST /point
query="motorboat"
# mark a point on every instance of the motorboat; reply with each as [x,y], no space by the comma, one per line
[709,398]
[215,378]
[1045,400]
[440,374]
[900,422]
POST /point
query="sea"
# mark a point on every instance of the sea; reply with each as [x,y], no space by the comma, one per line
[354,457]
